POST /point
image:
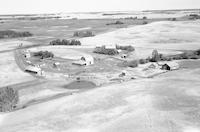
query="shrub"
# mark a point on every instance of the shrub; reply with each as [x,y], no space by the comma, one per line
[173,19]
[143,61]
[65,42]
[43,54]
[144,17]
[119,22]
[103,50]
[8,99]
[14,34]
[83,34]
[127,48]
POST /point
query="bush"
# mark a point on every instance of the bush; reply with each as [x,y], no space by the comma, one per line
[14,34]
[8,99]
[144,17]
[143,61]
[65,42]
[103,50]
[83,34]
[43,54]
[173,19]
[127,48]
[119,22]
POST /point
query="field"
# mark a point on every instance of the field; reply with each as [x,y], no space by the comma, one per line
[10,73]
[140,102]
[46,30]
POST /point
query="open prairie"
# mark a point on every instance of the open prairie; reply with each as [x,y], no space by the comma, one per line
[164,102]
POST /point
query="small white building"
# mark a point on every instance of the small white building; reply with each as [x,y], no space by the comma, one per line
[27,54]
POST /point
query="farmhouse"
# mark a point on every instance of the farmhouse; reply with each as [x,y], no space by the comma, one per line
[84,60]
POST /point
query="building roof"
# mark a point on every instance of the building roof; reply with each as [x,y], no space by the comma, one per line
[33,68]
[170,64]
[80,62]
[88,58]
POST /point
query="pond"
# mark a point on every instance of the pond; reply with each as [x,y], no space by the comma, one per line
[80,85]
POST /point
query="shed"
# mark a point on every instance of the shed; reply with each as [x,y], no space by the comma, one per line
[33,69]
[170,66]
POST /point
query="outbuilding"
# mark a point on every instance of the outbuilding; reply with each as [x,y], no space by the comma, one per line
[34,70]
[169,66]
[85,60]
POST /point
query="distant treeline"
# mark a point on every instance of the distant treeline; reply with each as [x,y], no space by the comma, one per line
[115,23]
[156,57]
[14,34]
[83,34]
[65,42]
[105,51]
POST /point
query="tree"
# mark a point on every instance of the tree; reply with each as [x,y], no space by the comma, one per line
[8,99]
[155,56]
[65,42]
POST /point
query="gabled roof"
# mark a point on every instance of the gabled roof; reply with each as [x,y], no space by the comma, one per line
[170,64]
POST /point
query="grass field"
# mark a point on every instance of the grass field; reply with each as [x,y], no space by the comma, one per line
[166,103]
[46,30]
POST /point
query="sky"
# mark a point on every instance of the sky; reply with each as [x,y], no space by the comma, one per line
[57,6]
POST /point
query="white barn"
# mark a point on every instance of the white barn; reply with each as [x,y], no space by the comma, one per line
[85,60]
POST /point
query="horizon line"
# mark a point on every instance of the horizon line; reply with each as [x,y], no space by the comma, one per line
[53,13]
